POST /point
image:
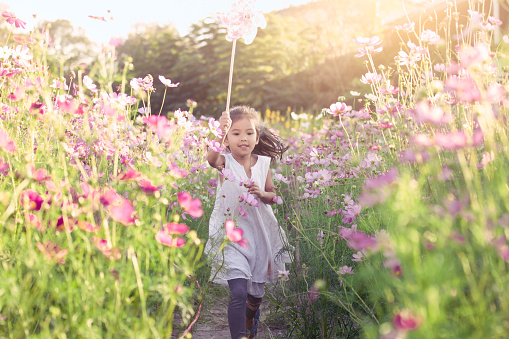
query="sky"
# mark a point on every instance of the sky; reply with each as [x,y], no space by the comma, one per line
[126,13]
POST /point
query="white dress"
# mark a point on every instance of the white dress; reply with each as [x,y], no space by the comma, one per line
[266,239]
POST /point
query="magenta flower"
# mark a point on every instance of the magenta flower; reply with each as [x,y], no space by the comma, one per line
[147,186]
[13,20]
[165,239]
[122,213]
[234,234]
[31,200]
[167,82]
[52,251]
[406,321]
[191,206]
[174,228]
[242,21]
[6,143]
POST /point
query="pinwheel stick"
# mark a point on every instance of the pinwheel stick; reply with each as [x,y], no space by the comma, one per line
[230,80]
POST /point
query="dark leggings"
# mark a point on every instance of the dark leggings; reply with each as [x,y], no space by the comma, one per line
[238,308]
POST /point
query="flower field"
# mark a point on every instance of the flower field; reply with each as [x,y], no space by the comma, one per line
[396,203]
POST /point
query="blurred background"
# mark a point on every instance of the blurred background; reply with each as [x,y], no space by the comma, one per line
[302,61]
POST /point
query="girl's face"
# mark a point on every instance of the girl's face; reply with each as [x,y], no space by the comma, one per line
[242,137]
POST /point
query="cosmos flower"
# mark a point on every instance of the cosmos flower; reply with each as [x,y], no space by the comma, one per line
[167,82]
[234,234]
[242,21]
[13,20]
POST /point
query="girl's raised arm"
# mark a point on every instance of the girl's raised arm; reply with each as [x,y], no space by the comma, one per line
[214,158]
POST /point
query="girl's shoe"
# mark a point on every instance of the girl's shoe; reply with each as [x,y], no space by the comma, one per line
[252,332]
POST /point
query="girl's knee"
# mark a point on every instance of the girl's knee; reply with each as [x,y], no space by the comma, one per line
[238,289]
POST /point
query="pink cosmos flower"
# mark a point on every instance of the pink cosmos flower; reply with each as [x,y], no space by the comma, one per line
[40,175]
[359,256]
[242,211]
[167,82]
[177,172]
[34,221]
[360,241]
[165,239]
[6,144]
[242,21]
[174,228]
[17,95]
[89,84]
[470,55]
[368,46]
[88,226]
[424,113]
[249,198]
[115,41]
[422,140]
[494,20]
[130,174]
[191,206]
[371,78]
[278,200]
[122,213]
[234,234]
[452,141]
[143,84]
[345,270]
[147,186]
[466,88]
[228,175]
[430,37]
[406,321]
[106,249]
[159,125]
[338,108]
[52,251]
[13,20]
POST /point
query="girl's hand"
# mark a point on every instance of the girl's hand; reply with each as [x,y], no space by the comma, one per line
[225,122]
[255,190]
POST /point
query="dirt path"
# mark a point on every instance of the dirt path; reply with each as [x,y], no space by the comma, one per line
[213,321]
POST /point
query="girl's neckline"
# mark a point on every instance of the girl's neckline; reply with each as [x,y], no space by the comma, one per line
[256,160]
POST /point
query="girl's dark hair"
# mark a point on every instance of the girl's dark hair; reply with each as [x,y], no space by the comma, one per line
[269,144]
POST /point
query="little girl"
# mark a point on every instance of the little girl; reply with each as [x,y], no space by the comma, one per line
[244,195]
